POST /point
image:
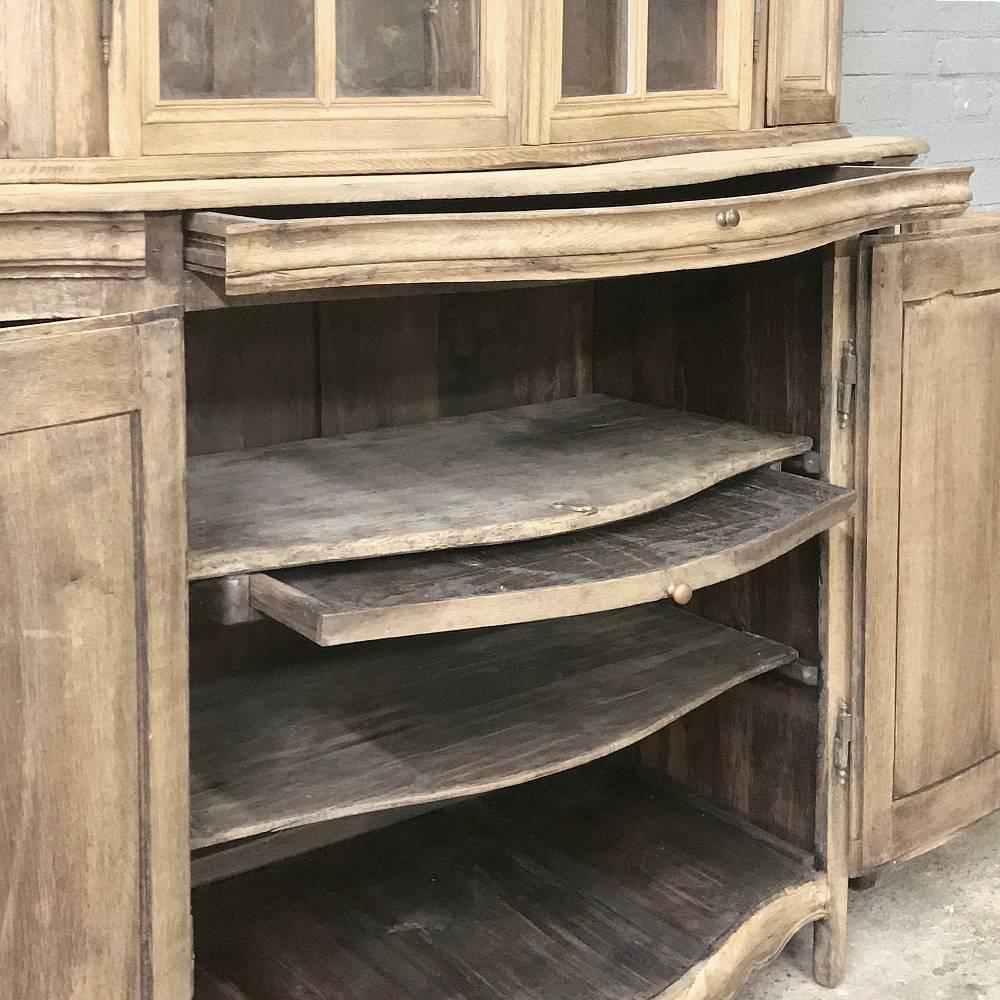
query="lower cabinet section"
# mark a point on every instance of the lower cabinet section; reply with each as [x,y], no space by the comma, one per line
[594,884]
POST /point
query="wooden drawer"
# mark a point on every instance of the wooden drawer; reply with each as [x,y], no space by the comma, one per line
[563,237]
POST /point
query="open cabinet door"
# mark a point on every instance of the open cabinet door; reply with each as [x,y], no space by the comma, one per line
[93,661]
[803,61]
[929,327]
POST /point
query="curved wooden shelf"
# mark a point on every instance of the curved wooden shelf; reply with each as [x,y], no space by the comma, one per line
[727,530]
[501,476]
[395,724]
[673,229]
[586,885]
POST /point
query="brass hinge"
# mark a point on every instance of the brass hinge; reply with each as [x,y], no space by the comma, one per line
[107,28]
[847,383]
[842,743]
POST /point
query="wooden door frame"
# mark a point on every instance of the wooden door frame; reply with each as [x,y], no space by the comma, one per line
[143,124]
[551,118]
[893,271]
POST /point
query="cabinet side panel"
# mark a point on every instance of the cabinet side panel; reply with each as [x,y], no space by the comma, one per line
[948,643]
[69,714]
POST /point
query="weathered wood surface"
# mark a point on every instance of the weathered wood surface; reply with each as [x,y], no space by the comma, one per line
[668,231]
[728,530]
[409,721]
[501,476]
[582,886]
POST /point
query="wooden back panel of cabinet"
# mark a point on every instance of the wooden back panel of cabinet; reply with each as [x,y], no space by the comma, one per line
[930,750]
[93,784]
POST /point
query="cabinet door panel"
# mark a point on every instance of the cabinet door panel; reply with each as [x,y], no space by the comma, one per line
[69,702]
[682,46]
[803,61]
[388,48]
[237,49]
[928,757]
[638,67]
[93,682]
[595,47]
[948,631]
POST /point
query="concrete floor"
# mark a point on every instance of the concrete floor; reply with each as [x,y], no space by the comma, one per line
[929,930]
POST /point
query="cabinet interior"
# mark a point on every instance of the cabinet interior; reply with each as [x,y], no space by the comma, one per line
[499,768]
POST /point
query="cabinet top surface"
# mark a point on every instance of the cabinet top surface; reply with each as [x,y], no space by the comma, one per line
[45,187]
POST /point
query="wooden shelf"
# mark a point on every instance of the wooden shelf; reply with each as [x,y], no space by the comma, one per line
[586,885]
[394,724]
[725,531]
[500,476]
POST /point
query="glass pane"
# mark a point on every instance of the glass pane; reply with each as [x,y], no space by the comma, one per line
[683,45]
[406,48]
[595,47]
[237,48]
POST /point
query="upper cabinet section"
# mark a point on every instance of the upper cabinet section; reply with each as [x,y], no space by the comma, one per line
[376,86]
[234,76]
[617,69]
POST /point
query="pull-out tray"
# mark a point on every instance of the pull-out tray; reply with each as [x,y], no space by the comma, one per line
[725,531]
[396,724]
[558,237]
[501,476]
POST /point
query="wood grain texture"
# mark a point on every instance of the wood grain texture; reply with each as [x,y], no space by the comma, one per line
[495,477]
[73,245]
[251,378]
[723,532]
[258,255]
[48,186]
[410,721]
[586,887]
[69,714]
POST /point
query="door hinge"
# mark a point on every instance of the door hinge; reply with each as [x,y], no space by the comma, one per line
[847,383]
[842,743]
[757,13]
[107,28]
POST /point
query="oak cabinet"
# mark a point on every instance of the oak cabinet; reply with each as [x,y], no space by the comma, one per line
[929,697]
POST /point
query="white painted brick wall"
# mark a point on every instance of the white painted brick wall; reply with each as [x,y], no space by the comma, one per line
[930,69]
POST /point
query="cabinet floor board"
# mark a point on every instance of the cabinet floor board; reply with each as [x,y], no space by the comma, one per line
[393,724]
[725,531]
[585,885]
[500,476]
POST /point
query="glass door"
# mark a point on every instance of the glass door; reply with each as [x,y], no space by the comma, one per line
[316,75]
[629,68]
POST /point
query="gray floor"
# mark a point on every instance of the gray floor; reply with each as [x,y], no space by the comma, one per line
[929,930]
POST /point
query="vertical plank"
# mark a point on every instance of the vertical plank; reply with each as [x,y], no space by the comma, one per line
[877,555]
[69,714]
[80,93]
[252,377]
[3,79]
[511,348]
[30,79]
[378,363]
[164,575]
[836,618]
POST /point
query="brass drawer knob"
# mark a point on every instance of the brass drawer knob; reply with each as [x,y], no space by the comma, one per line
[680,592]
[729,219]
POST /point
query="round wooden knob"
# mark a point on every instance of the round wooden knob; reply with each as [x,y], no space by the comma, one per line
[680,592]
